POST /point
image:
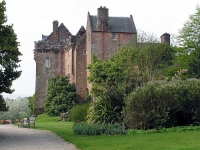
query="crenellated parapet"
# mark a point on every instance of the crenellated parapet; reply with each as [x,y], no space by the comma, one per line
[48,45]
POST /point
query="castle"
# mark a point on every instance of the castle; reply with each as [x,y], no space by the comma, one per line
[62,53]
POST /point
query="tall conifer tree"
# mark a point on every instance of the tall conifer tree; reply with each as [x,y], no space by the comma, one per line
[9,56]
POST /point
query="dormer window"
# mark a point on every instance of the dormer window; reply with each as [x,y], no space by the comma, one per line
[47,62]
[114,36]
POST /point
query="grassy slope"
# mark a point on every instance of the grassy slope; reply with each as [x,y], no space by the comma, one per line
[155,141]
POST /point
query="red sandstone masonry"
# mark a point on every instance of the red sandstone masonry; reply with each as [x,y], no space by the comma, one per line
[43,74]
[81,70]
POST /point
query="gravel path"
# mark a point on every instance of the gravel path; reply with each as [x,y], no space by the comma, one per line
[14,138]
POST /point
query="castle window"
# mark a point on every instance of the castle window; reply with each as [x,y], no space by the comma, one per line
[47,62]
[114,36]
[85,52]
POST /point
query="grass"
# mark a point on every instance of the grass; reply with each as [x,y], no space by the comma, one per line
[154,141]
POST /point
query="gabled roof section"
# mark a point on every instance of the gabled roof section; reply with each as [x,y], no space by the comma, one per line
[81,31]
[44,36]
[62,27]
[116,24]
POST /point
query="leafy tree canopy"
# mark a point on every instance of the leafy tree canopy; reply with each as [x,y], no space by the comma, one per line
[61,96]
[31,103]
[9,54]
[130,66]
[189,39]
[3,106]
[18,108]
[180,62]
[189,35]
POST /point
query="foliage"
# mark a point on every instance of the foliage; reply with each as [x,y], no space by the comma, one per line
[83,128]
[163,104]
[194,65]
[131,65]
[32,104]
[189,39]
[18,108]
[189,35]
[107,108]
[164,130]
[61,96]
[144,37]
[79,113]
[88,96]
[9,57]
[9,53]
[180,62]
[3,106]
[153,58]
[113,79]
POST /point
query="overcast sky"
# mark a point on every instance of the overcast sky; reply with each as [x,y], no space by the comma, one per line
[32,18]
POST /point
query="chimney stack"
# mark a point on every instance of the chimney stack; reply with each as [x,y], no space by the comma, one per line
[165,38]
[55,26]
[55,31]
[102,18]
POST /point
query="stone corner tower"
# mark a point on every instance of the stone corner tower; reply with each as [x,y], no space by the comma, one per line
[48,56]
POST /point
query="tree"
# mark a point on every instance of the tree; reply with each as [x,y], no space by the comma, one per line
[189,39]
[153,58]
[131,66]
[3,106]
[61,96]
[32,103]
[9,54]
[180,62]
[18,108]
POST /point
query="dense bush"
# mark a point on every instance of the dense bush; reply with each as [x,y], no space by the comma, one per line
[61,96]
[79,113]
[107,108]
[83,128]
[163,104]
[32,104]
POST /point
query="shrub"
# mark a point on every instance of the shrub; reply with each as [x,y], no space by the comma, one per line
[107,108]
[163,104]
[79,113]
[61,96]
[102,111]
[164,130]
[84,128]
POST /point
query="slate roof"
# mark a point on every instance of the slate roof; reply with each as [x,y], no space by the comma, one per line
[81,31]
[44,36]
[62,26]
[117,24]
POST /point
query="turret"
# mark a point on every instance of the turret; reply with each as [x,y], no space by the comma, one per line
[165,38]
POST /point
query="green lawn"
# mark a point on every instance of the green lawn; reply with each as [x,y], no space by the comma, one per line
[154,141]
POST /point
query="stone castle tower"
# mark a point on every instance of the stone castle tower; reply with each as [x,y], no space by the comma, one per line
[62,53]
